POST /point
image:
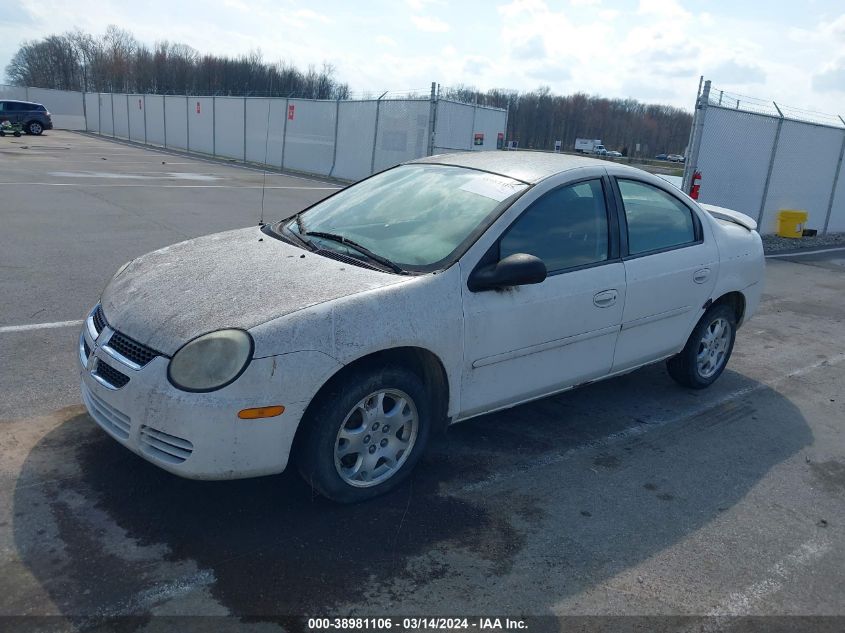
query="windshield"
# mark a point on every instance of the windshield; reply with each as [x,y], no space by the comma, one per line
[413,215]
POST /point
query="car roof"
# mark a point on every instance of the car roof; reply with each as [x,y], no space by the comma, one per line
[19,101]
[529,167]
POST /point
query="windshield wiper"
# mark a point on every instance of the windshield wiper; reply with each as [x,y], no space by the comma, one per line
[361,249]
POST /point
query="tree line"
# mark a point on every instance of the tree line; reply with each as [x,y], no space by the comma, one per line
[538,118]
[118,62]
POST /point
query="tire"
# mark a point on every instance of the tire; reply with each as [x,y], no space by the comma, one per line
[34,128]
[707,351]
[346,454]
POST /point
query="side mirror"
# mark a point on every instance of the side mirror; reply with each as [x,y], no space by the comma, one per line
[518,269]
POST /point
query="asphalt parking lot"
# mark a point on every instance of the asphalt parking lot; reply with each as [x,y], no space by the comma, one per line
[628,497]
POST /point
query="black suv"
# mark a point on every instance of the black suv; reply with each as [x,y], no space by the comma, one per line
[32,116]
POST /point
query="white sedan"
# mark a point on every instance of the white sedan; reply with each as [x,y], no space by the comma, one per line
[339,339]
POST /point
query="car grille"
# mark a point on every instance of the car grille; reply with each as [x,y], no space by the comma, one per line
[129,348]
[106,415]
[99,319]
[111,375]
[86,348]
[133,350]
[164,446]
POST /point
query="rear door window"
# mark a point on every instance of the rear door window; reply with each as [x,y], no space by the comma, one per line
[656,219]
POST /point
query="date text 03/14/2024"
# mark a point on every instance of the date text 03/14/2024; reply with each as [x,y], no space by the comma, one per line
[417,624]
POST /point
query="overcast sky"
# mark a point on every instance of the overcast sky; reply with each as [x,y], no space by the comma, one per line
[653,50]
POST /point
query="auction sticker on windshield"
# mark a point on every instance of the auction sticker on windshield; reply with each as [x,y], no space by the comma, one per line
[493,187]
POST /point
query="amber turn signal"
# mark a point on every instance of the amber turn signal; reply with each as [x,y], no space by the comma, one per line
[261,412]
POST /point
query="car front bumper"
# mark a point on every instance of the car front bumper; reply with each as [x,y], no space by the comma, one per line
[194,435]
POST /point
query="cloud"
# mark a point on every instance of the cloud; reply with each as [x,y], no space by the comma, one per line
[551,73]
[385,40]
[308,14]
[533,48]
[519,8]
[734,72]
[836,28]
[832,79]
[429,25]
[18,13]
[663,9]
[420,5]
[474,66]
[236,4]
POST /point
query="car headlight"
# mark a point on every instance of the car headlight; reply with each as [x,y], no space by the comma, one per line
[211,361]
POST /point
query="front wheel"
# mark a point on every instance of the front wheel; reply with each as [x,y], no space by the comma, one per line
[364,434]
[35,128]
[707,351]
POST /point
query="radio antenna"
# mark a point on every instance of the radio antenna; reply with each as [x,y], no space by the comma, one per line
[266,147]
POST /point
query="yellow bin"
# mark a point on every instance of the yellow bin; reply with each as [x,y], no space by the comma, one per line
[791,222]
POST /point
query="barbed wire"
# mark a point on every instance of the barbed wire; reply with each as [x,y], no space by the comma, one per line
[746,103]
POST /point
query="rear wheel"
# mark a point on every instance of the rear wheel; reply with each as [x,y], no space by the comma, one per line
[34,128]
[364,434]
[707,351]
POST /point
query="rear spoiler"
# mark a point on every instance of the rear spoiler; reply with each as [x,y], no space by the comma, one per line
[731,216]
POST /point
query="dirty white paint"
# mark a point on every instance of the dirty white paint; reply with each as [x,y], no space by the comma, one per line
[309,316]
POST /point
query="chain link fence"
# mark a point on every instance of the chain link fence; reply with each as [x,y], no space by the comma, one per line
[760,157]
[347,139]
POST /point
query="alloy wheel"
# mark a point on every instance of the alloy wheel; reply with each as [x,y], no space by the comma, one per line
[376,438]
[713,347]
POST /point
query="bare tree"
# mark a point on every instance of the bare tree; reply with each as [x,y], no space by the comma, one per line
[116,61]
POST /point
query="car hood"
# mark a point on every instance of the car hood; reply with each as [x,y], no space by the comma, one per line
[236,279]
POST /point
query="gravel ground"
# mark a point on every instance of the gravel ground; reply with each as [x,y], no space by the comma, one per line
[776,244]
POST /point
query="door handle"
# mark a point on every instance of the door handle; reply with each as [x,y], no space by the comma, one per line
[701,275]
[605,298]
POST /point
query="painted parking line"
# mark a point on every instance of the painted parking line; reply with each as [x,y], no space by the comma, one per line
[5,329]
[801,254]
[553,457]
[115,163]
[153,150]
[88,185]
